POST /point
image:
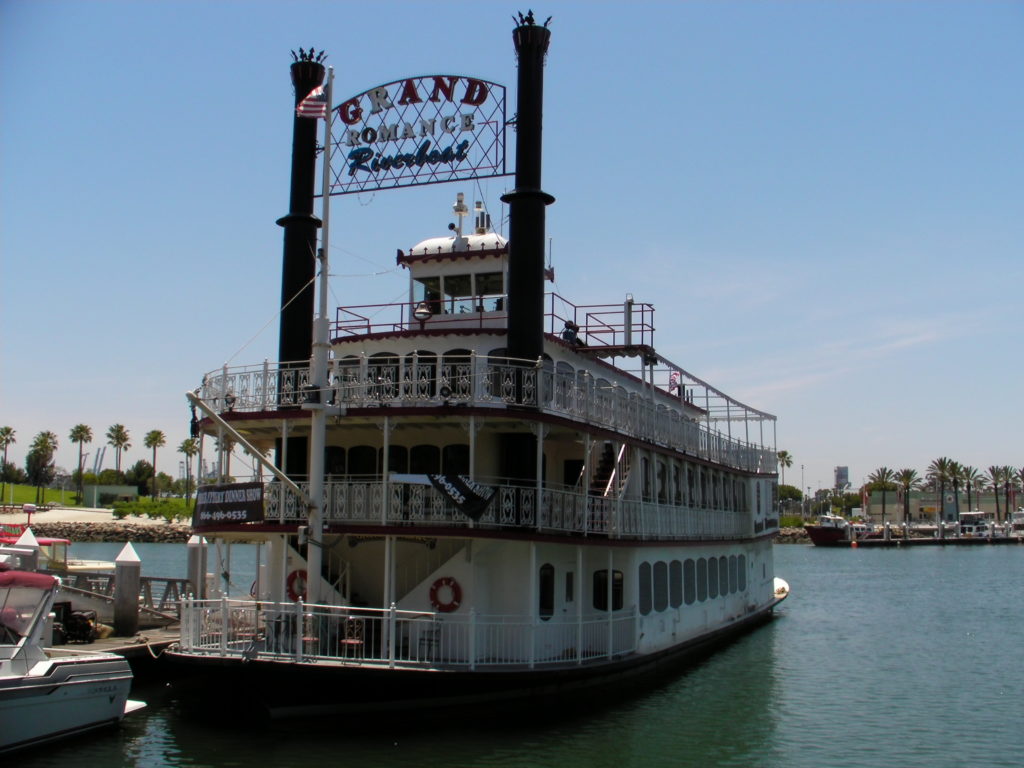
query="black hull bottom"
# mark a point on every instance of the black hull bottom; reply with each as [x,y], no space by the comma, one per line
[252,691]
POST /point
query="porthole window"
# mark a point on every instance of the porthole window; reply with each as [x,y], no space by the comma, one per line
[723,575]
[644,588]
[742,568]
[675,583]
[733,580]
[689,581]
[660,586]
[712,578]
[702,579]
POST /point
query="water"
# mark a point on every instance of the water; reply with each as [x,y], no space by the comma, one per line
[879,658]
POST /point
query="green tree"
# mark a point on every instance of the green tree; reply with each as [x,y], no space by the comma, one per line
[6,438]
[969,476]
[995,478]
[956,475]
[908,481]
[119,439]
[883,479]
[155,439]
[1009,486]
[81,434]
[139,474]
[939,473]
[39,462]
[189,447]
[785,461]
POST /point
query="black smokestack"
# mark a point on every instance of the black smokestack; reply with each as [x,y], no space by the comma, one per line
[295,342]
[300,225]
[527,201]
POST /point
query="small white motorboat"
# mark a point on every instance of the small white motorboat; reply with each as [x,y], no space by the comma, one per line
[47,694]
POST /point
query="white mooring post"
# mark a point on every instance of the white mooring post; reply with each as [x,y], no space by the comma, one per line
[197,548]
[127,580]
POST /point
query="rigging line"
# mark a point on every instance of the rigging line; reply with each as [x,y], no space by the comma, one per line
[273,317]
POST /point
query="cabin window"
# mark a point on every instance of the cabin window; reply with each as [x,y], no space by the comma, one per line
[723,575]
[702,579]
[703,489]
[570,587]
[712,578]
[742,568]
[645,474]
[758,509]
[660,586]
[601,590]
[334,460]
[421,374]
[398,459]
[428,290]
[425,460]
[546,591]
[662,484]
[490,291]
[677,487]
[644,588]
[689,582]
[362,461]
[675,583]
[455,459]
[457,373]
[382,370]
[458,294]
[733,575]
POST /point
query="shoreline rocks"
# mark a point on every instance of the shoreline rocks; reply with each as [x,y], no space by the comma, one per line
[135,533]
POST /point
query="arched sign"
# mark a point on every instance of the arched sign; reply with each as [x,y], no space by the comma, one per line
[420,130]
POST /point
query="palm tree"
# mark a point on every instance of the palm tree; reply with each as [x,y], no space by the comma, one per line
[39,461]
[955,477]
[189,447]
[1009,486]
[908,481]
[155,439]
[938,473]
[785,461]
[119,439]
[970,477]
[995,477]
[81,434]
[881,479]
[6,438]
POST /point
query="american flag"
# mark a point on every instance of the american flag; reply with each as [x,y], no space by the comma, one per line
[314,105]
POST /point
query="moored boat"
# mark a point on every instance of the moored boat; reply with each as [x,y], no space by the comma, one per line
[834,530]
[482,493]
[46,694]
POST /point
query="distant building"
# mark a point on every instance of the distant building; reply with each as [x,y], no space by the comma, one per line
[106,495]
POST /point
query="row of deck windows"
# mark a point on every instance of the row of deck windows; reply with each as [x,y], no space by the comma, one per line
[663,585]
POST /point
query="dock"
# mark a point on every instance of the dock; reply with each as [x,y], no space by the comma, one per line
[949,541]
[142,651]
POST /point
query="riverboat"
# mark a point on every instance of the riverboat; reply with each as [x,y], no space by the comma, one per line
[479,520]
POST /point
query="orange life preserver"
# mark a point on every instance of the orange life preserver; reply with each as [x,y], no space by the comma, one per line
[450,604]
[297,584]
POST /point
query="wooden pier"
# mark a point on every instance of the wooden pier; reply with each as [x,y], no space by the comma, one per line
[142,651]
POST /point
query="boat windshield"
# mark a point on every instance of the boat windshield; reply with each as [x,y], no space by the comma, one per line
[22,602]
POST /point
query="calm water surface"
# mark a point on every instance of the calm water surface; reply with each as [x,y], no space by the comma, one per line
[878,658]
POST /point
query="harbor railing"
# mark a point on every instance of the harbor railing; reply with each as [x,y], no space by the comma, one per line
[399,638]
[513,507]
[626,407]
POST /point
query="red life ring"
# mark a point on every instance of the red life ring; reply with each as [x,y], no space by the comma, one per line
[297,584]
[451,601]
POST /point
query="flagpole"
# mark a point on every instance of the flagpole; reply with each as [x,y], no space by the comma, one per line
[321,348]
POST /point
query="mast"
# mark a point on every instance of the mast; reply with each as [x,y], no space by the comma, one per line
[316,402]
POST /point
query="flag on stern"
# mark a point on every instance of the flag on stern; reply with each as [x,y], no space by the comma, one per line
[314,105]
[470,498]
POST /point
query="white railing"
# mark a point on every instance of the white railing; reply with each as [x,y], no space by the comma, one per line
[512,508]
[482,381]
[303,633]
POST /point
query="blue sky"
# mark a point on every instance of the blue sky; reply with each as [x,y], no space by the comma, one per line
[822,200]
